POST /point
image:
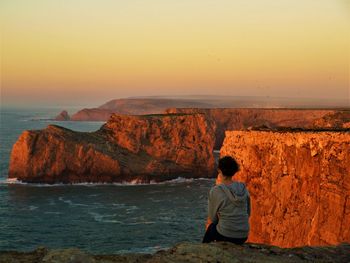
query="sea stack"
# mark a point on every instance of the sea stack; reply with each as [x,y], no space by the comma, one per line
[127,148]
[63,116]
[299,184]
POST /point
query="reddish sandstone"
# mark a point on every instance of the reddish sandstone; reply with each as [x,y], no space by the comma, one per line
[337,120]
[299,184]
[250,118]
[126,148]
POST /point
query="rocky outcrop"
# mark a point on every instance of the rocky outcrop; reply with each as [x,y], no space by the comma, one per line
[241,119]
[190,252]
[299,184]
[127,148]
[135,106]
[92,114]
[63,116]
[338,120]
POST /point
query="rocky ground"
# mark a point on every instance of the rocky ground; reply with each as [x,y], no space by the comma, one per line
[190,252]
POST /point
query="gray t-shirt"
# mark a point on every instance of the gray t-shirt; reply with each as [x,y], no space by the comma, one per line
[229,208]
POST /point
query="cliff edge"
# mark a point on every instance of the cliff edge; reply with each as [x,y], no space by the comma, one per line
[299,184]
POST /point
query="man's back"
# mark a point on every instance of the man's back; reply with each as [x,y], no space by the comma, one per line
[231,203]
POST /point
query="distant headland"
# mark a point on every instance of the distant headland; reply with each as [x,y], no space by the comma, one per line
[159,104]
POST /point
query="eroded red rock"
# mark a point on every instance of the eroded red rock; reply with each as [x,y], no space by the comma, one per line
[339,120]
[250,118]
[126,148]
[299,184]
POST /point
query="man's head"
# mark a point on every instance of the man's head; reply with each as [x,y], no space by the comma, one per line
[228,166]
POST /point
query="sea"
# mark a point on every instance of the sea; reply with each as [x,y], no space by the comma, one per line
[97,218]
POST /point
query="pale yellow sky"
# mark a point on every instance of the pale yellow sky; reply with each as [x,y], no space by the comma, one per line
[85,50]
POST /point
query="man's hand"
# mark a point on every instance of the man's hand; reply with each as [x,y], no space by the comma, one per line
[208,223]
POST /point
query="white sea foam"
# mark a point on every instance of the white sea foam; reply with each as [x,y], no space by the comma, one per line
[140,223]
[52,213]
[32,207]
[119,205]
[10,181]
[102,218]
[131,208]
[155,200]
[69,202]
[19,182]
[123,183]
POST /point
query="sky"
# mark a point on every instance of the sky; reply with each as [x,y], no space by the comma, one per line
[90,51]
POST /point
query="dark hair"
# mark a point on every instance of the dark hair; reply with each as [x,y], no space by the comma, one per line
[228,166]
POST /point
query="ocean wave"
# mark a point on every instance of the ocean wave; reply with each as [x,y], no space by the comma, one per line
[52,213]
[15,181]
[105,218]
[179,180]
[32,207]
[131,208]
[140,223]
[69,202]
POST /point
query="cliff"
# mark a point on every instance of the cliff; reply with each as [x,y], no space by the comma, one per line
[157,104]
[250,118]
[126,148]
[190,252]
[135,106]
[339,120]
[299,184]
[92,114]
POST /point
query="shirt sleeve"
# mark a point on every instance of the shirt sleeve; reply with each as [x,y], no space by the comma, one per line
[213,206]
[248,204]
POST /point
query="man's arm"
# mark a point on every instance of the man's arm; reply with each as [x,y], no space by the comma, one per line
[248,205]
[212,209]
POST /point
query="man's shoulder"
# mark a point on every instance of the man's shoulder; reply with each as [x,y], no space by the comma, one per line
[216,189]
[242,185]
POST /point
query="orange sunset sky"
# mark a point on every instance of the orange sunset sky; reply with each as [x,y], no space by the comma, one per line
[90,51]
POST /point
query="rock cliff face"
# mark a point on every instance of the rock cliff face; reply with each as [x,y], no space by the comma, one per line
[126,148]
[339,120]
[299,183]
[92,114]
[240,119]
